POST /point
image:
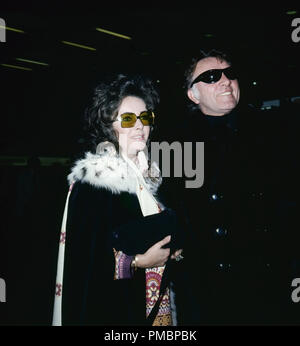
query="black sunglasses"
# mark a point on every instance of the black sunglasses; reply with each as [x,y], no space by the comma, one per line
[213,76]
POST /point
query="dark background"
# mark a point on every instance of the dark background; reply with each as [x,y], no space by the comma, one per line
[41,109]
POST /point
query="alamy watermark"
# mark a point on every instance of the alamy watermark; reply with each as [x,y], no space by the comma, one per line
[2,30]
[2,291]
[296,32]
[180,157]
[296,292]
[185,152]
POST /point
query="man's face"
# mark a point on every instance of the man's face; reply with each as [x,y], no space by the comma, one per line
[218,98]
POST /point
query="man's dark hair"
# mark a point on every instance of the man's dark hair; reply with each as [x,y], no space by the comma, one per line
[107,98]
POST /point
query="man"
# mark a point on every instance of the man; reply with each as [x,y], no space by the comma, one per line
[212,86]
[239,254]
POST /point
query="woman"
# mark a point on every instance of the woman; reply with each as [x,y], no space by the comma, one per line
[112,261]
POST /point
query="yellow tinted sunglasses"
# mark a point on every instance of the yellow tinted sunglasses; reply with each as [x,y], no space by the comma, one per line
[129,119]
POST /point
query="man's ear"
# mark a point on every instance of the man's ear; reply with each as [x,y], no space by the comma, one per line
[192,96]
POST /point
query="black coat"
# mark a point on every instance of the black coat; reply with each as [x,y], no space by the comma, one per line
[90,295]
[241,254]
[102,216]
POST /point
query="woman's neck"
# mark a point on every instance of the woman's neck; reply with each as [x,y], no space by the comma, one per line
[132,157]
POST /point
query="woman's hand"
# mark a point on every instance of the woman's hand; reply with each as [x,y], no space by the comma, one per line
[155,256]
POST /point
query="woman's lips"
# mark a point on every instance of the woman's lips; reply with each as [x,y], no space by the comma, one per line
[139,138]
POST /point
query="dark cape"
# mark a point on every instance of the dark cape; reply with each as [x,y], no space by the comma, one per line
[103,213]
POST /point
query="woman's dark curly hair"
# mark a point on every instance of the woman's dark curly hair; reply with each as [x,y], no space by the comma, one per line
[107,98]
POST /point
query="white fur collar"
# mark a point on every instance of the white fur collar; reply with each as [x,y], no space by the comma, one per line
[109,170]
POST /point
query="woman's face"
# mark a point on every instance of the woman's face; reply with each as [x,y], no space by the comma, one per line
[132,139]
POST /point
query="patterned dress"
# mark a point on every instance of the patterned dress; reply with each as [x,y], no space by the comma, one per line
[123,270]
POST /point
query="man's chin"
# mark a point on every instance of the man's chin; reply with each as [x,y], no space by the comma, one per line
[228,107]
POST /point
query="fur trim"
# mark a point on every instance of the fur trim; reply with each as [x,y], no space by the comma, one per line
[110,171]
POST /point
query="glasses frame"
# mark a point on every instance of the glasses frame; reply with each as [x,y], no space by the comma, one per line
[119,118]
[217,73]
